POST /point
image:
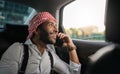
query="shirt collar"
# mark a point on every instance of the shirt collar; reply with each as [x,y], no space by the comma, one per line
[50,47]
[28,41]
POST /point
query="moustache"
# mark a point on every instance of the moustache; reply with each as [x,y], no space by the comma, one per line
[53,32]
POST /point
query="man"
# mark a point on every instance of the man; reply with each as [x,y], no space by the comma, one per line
[42,35]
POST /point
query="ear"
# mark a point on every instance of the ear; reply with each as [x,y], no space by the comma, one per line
[37,32]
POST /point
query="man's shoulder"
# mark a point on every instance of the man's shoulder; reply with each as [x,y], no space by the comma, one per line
[16,45]
[13,51]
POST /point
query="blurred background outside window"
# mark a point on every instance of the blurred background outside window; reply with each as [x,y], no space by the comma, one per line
[14,13]
[84,19]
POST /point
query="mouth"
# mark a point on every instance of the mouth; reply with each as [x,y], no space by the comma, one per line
[53,32]
[53,36]
[50,33]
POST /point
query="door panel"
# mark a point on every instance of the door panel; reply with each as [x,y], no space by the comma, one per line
[86,48]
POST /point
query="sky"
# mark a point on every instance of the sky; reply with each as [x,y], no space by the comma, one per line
[83,13]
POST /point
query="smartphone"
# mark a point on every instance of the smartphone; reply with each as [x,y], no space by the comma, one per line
[59,42]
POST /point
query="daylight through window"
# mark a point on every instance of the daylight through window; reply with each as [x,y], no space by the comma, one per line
[84,19]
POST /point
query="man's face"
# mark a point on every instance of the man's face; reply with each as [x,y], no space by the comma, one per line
[49,32]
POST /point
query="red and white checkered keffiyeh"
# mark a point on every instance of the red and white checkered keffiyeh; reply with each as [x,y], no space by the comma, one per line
[37,20]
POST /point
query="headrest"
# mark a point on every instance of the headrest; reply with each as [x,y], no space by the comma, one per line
[112,21]
[16,32]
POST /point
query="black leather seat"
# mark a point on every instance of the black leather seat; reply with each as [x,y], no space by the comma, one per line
[12,33]
[105,61]
[15,33]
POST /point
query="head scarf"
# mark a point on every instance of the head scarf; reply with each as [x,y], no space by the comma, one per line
[37,20]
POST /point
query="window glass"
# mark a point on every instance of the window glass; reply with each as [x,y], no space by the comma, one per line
[84,19]
[14,13]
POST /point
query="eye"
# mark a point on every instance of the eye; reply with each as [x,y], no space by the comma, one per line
[50,24]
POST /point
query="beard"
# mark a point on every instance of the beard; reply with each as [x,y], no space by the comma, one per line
[44,37]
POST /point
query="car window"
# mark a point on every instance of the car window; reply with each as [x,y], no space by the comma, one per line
[84,19]
[14,13]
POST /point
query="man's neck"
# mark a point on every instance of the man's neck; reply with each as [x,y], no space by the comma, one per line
[40,45]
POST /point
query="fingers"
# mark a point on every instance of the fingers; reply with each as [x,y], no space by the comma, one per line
[67,41]
[61,35]
[64,37]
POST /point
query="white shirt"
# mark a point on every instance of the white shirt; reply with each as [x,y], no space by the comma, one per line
[37,63]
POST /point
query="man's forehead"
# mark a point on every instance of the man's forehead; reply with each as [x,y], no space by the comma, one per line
[50,21]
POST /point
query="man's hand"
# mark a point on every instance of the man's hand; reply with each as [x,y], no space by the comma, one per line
[67,41]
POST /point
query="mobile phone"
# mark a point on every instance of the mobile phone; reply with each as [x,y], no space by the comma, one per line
[59,42]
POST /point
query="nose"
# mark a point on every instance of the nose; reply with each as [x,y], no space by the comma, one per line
[56,30]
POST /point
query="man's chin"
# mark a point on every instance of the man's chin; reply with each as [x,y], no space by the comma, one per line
[51,42]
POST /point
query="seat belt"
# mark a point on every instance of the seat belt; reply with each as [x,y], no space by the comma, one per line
[52,61]
[25,60]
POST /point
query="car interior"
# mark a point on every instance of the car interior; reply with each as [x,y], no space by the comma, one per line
[106,63]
